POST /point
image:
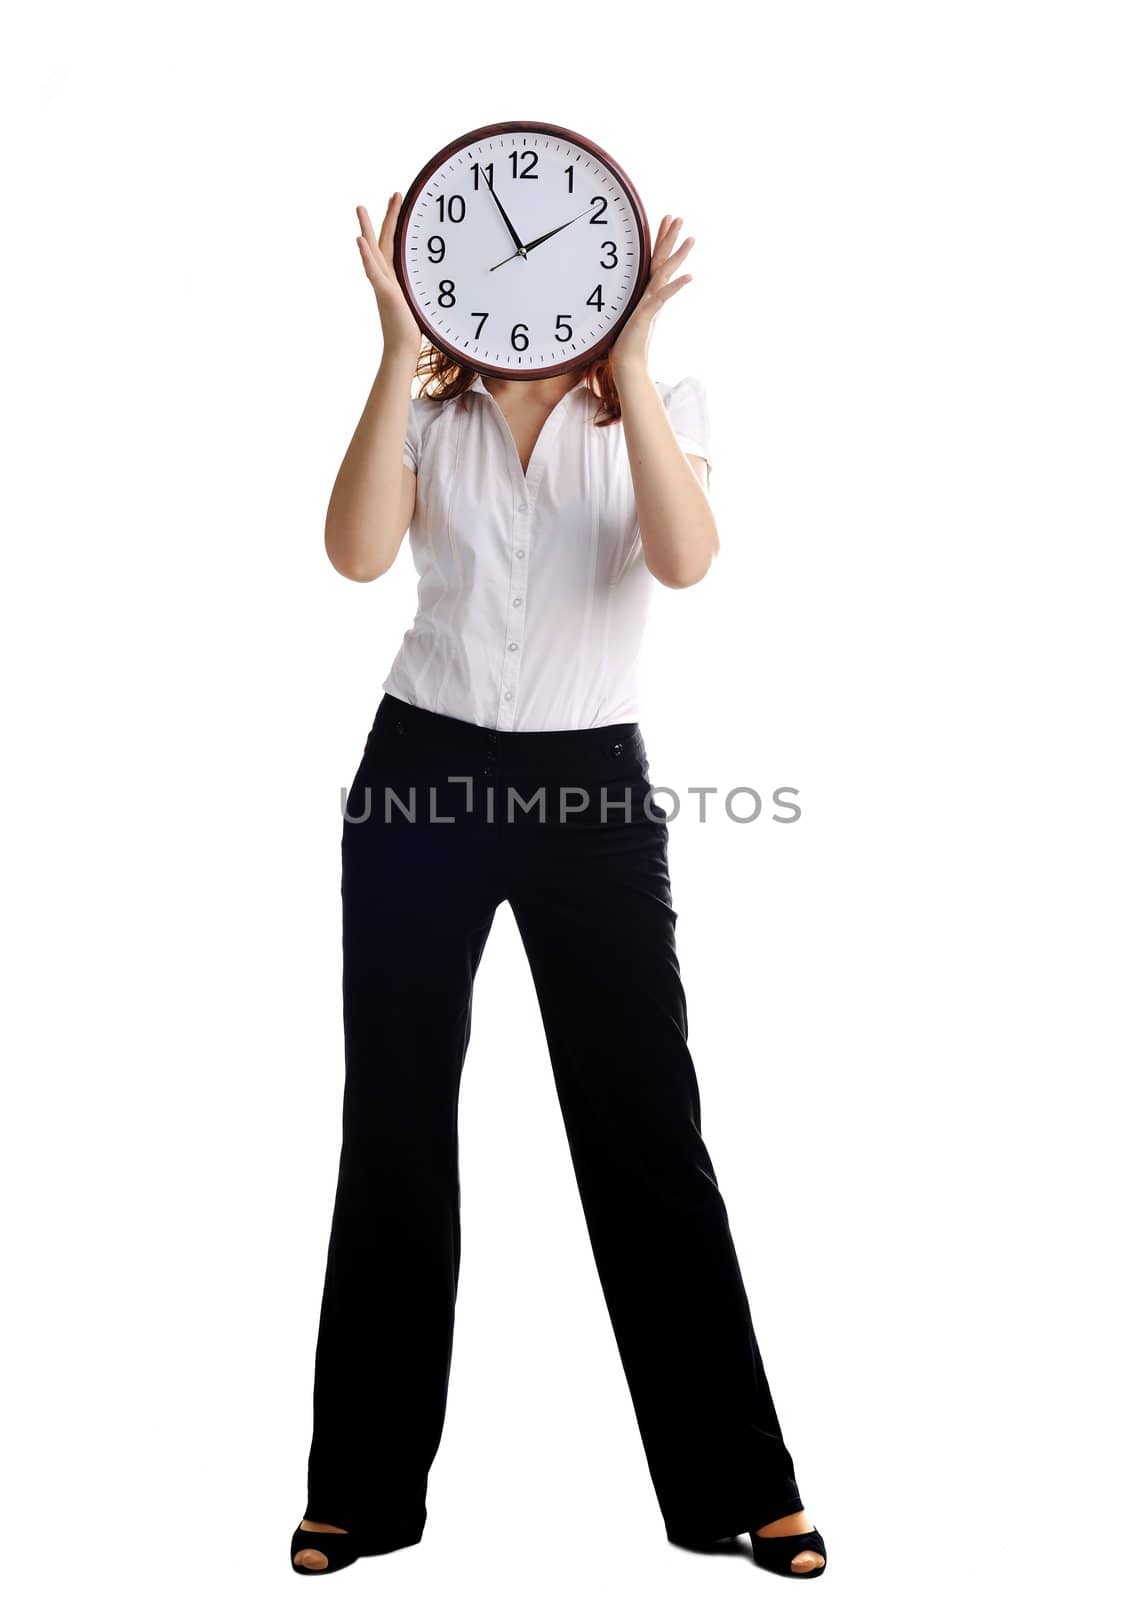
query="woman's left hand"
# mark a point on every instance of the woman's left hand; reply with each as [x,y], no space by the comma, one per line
[632,344]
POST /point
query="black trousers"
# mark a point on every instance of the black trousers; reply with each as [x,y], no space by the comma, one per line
[585,871]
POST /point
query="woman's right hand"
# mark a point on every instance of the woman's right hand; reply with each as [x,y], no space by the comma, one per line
[400,331]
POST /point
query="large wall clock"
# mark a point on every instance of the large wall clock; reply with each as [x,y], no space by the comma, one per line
[522,248]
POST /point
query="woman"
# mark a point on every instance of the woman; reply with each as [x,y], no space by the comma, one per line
[505,763]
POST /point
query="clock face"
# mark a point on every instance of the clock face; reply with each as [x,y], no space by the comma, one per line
[522,248]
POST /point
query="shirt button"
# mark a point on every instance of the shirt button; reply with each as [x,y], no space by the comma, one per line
[519,555]
[507,694]
[516,602]
[513,645]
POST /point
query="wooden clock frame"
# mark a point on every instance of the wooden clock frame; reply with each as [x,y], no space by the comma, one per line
[491,130]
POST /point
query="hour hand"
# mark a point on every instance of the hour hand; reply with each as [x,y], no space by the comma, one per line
[543,236]
[526,249]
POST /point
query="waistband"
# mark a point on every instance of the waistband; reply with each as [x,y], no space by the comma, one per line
[564,752]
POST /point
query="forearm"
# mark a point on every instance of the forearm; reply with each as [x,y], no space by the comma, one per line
[369,511]
[675,518]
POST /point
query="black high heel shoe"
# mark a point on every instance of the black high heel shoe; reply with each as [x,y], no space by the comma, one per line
[775,1552]
[338,1548]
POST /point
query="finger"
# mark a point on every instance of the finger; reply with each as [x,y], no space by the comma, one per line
[667,237]
[389,223]
[365,224]
[672,262]
[671,289]
[663,243]
[372,261]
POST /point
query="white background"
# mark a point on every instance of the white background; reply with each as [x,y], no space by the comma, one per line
[911,310]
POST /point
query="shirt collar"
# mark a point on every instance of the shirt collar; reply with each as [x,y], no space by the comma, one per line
[478,384]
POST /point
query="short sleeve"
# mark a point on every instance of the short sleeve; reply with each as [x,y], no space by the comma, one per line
[688,412]
[411,453]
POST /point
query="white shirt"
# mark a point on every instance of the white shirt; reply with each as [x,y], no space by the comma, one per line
[533,589]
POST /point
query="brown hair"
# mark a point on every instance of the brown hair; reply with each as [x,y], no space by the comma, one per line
[444,377]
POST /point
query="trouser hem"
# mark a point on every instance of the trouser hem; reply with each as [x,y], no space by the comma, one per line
[728,1528]
[369,1540]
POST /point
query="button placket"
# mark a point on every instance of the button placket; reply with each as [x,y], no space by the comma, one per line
[516,606]
[524,502]
[526,488]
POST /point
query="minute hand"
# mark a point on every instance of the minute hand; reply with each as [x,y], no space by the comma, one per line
[507,218]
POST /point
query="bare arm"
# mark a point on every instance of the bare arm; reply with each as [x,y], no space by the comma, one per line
[372,502]
[675,519]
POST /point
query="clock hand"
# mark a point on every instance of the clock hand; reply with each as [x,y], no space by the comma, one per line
[524,248]
[507,220]
[554,231]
